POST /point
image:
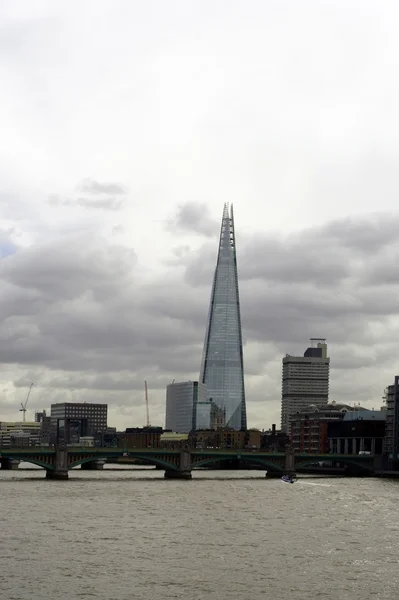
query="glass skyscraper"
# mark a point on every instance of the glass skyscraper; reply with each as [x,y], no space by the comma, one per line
[182,399]
[222,369]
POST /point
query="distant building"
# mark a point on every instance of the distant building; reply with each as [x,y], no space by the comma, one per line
[209,415]
[181,405]
[72,420]
[19,434]
[391,445]
[140,437]
[309,426]
[222,367]
[305,380]
[106,439]
[45,426]
[174,441]
[225,438]
[274,440]
[357,434]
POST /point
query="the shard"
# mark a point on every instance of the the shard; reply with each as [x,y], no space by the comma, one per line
[222,368]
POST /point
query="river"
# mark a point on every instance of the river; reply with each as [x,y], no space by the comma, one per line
[224,535]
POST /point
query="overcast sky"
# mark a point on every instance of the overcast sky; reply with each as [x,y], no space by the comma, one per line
[125,126]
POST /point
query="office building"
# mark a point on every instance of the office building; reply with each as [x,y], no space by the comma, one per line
[305,381]
[226,438]
[19,434]
[140,437]
[391,443]
[210,416]
[45,426]
[181,405]
[274,440]
[72,420]
[222,368]
[309,426]
[359,431]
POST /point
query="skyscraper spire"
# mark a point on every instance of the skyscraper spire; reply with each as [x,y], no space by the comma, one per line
[222,368]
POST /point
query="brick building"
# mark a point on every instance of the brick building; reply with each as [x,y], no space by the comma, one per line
[140,437]
[225,438]
[274,440]
[309,427]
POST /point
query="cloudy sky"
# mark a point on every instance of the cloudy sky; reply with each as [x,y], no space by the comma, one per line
[125,126]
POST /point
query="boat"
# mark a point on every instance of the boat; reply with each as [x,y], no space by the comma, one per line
[289,478]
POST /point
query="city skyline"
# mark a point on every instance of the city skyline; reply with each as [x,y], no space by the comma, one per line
[111,187]
[222,366]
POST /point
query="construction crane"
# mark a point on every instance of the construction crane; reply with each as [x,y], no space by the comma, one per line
[148,424]
[23,406]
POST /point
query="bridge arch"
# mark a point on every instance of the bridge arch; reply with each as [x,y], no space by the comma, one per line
[268,466]
[349,461]
[33,461]
[149,459]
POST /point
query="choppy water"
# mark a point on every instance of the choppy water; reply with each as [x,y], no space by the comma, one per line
[224,535]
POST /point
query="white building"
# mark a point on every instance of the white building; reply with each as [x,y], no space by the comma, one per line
[305,381]
[181,405]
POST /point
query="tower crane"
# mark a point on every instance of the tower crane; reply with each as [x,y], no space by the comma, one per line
[23,406]
[148,424]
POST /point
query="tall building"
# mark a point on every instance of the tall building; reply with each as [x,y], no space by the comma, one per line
[209,416]
[222,368]
[305,381]
[45,426]
[72,420]
[392,423]
[181,405]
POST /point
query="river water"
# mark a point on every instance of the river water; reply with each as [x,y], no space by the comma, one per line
[130,534]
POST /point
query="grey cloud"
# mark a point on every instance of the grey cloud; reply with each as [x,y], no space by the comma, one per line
[76,315]
[193,218]
[118,229]
[91,186]
[76,304]
[337,281]
[363,249]
[366,234]
[104,203]
[112,204]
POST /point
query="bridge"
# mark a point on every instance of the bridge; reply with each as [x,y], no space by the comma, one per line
[177,463]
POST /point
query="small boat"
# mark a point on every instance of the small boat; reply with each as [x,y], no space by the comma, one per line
[289,478]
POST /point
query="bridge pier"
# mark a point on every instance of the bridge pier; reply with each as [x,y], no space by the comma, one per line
[94,465]
[59,475]
[184,470]
[9,464]
[289,463]
[61,465]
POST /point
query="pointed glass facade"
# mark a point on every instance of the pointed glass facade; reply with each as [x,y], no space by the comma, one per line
[222,368]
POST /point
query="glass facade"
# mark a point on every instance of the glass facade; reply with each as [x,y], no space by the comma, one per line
[222,369]
[204,415]
[181,405]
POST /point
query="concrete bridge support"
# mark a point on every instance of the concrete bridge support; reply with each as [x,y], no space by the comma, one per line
[289,466]
[61,465]
[9,464]
[94,465]
[184,470]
